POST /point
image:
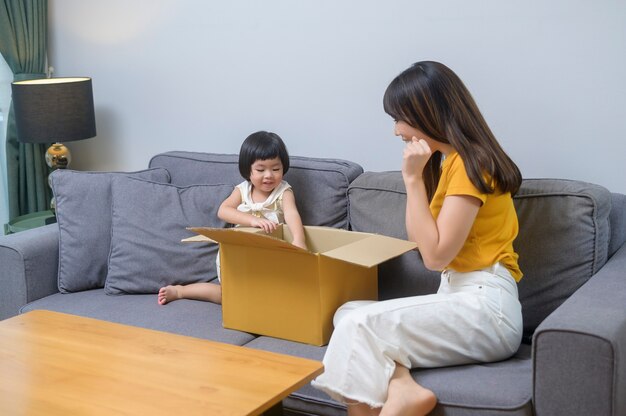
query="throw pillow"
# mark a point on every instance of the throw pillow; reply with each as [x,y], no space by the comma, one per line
[149,222]
[83,211]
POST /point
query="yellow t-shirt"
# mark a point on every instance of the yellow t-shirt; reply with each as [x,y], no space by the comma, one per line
[490,239]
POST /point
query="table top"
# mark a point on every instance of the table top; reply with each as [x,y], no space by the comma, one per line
[58,364]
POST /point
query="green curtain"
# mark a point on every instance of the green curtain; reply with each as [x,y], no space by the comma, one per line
[23,44]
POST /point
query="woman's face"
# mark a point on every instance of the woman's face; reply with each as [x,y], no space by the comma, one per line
[407,132]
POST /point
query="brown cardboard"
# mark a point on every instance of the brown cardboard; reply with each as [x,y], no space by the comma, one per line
[271,287]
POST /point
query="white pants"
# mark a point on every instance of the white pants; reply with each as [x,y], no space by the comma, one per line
[473,317]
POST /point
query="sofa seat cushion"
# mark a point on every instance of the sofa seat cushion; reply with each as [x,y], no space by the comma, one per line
[319,185]
[501,388]
[185,317]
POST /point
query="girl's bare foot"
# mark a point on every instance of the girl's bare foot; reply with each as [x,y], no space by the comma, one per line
[406,397]
[168,294]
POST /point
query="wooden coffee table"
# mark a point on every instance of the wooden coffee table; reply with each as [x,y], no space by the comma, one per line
[59,364]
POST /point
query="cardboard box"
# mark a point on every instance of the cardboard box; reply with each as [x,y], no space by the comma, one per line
[271,287]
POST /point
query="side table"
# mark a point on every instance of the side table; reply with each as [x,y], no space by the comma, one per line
[28,221]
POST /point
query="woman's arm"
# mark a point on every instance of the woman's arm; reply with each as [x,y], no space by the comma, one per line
[438,241]
[293,220]
[228,212]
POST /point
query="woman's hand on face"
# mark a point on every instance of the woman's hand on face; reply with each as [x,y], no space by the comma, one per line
[415,156]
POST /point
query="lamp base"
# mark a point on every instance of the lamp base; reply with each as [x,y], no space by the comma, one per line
[58,156]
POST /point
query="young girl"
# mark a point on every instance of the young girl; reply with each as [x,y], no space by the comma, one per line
[460,213]
[263,200]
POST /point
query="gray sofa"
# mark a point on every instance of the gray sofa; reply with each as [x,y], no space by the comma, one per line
[571,245]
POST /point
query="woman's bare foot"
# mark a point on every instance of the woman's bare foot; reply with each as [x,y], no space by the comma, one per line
[168,294]
[406,397]
[361,409]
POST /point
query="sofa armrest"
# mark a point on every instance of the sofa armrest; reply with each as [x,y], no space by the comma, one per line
[29,268]
[579,351]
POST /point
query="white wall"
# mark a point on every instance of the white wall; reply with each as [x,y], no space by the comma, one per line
[549,76]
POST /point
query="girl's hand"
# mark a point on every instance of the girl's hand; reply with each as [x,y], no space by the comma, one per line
[263,223]
[415,156]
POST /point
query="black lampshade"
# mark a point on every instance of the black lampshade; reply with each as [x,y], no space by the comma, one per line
[54,110]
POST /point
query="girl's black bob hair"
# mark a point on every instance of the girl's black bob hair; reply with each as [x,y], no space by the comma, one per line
[262,145]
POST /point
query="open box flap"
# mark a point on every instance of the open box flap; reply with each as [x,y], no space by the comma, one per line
[252,237]
[371,251]
[198,239]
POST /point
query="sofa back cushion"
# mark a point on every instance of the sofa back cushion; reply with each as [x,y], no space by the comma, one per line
[83,211]
[319,185]
[563,239]
[149,220]
[377,205]
[618,222]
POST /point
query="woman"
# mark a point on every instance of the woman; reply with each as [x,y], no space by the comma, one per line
[460,212]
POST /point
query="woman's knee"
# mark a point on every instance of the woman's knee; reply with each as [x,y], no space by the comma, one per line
[347,308]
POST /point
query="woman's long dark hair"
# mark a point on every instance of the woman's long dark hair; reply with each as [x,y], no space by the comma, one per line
[430,97]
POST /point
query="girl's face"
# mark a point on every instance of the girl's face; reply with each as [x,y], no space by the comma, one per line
[265,175]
